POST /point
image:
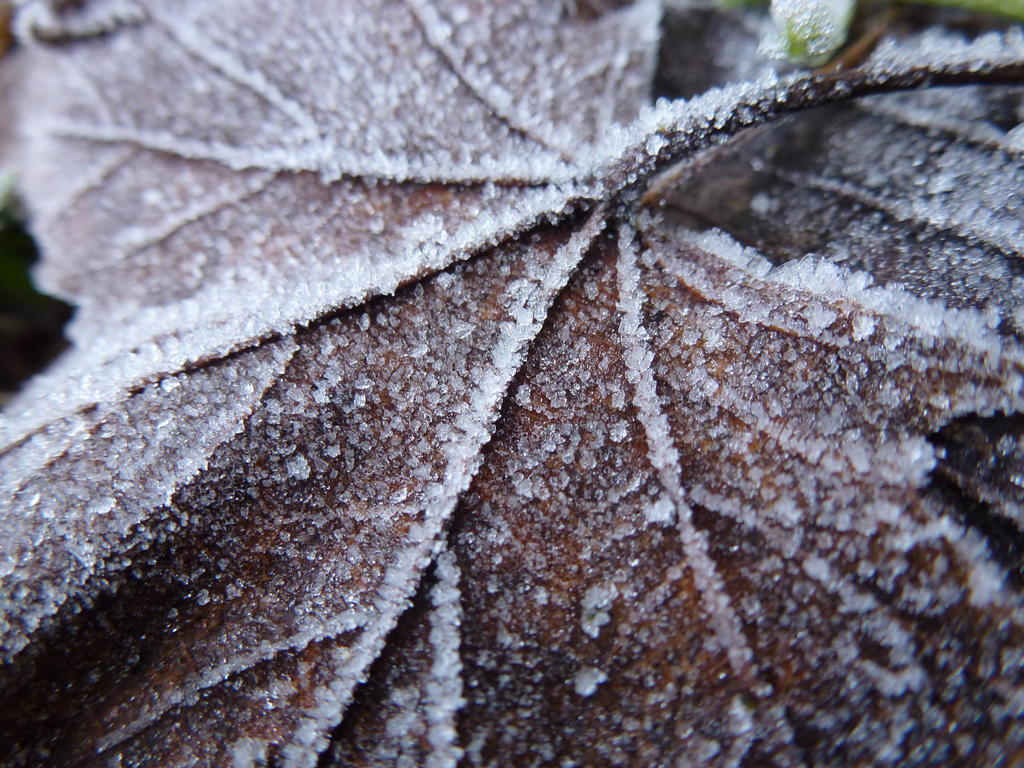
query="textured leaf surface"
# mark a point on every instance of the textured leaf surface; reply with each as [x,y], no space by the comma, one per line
[436,401]
[311,186]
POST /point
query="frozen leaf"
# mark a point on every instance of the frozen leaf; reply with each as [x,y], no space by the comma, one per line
[79,489]
[200,228]
[338,486]
[436,399]
[799,581]
[406,716]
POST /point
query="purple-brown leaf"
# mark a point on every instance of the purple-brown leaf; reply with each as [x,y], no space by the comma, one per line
[438,399]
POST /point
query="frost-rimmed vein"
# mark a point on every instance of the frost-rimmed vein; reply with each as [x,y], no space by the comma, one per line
[658,138]
[984,589]
[828,282]
[40,451]
[194,43]
[972,328]
[891,310]
[673,131]
[898,463]
[788,543]
[444,688]
[346,670]
[50,210]
[162,340]
[881,624]
[47,556]
[124,247]
[471,431]
[55,202]
[315,156]
[980,134]
[664,457]
[489,93]
[306,149]
[970,226]
[504,104]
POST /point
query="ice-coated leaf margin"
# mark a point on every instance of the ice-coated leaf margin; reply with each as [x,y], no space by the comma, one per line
[673,132]
[616,171]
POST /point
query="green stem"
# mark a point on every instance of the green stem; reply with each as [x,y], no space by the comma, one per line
[1011,9]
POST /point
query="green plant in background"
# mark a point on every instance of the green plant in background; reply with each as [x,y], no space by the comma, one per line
[813,31]
[17,252]
[30,322]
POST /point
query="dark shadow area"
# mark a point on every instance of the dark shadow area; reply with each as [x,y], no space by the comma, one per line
[31,323]
[981,476]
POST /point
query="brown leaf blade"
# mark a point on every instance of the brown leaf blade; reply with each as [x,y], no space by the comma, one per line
[316,189]
[799,601]
[703,529]
[339,485]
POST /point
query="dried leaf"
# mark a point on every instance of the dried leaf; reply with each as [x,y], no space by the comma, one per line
[414,419]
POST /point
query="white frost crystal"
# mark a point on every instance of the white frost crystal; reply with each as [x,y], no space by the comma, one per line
[586,681]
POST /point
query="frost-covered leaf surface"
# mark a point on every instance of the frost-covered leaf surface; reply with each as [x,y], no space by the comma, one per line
[438,400]
[369,160]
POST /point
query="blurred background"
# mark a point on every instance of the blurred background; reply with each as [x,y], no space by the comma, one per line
[30,323]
